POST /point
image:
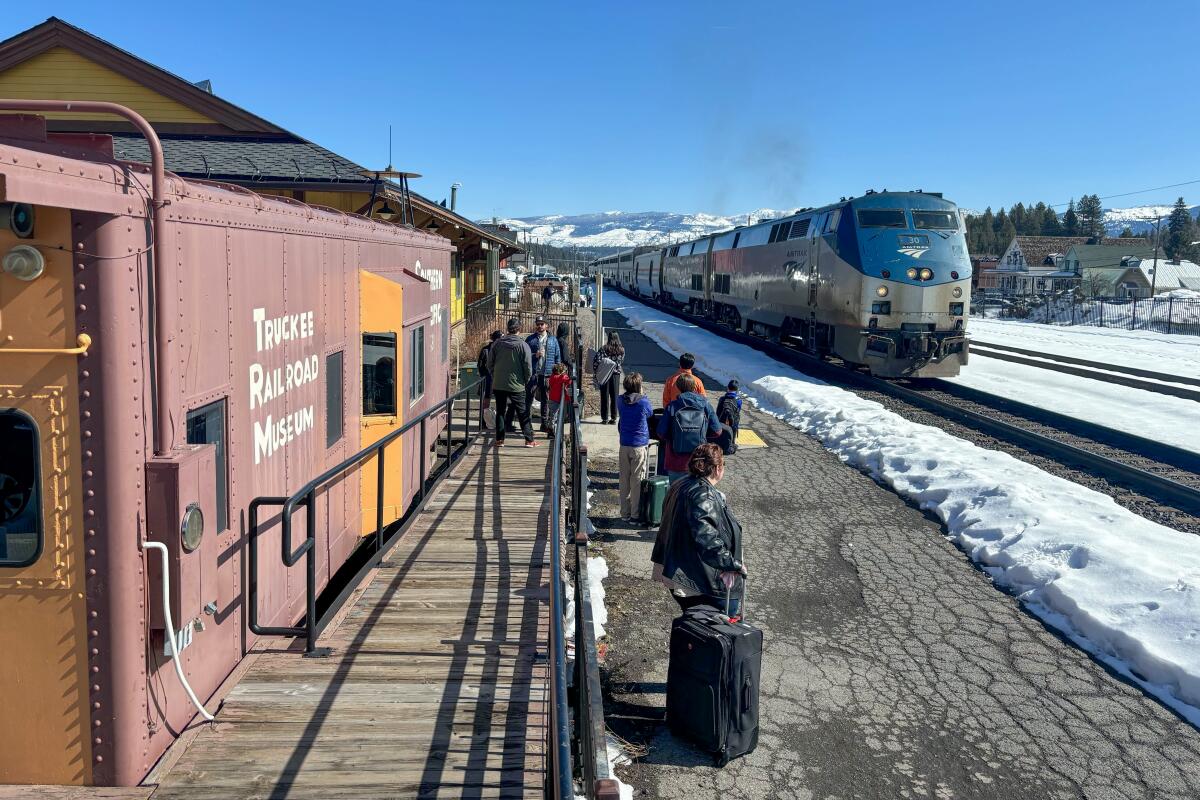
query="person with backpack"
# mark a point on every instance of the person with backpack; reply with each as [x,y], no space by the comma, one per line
[481,364]
[606,375]
[634,412]
[511,366]
[546,354]
[671,389]
[729,408]
[685,425]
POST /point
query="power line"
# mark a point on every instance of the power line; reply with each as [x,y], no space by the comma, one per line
[1139,191]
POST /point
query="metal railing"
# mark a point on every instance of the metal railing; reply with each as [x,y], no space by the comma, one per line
[306,497]
[1163,314]
[578,745]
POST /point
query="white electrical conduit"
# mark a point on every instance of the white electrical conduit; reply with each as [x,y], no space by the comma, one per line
[166,592]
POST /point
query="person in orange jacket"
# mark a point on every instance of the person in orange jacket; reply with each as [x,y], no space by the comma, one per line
[670,391]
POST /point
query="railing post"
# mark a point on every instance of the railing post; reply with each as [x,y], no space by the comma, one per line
[310,617]
[423,457]
[379,500]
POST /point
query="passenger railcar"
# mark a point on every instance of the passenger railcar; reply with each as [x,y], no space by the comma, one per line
[881,280]
[170,350]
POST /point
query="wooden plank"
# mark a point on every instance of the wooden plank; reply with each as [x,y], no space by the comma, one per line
[434,688]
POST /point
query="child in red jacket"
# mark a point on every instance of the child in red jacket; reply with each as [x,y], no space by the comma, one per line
[559,390]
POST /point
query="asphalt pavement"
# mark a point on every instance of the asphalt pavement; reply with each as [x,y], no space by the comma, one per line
[892,666]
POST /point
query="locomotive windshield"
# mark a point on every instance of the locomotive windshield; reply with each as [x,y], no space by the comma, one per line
[935,220]
[881,218]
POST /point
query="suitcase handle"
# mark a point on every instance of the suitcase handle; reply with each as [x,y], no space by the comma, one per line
[742,610]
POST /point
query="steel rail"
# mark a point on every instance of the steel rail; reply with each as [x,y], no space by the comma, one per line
[1157,487]
[1111,373]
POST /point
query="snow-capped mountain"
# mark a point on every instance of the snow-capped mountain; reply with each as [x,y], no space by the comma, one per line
[629,228]
[1140,219]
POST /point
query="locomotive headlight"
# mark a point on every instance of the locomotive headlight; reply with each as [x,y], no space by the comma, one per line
[956,291]
[881,291]
[926,274]
[912,273]
[24,262]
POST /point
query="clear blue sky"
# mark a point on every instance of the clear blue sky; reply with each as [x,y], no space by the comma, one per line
[564,107]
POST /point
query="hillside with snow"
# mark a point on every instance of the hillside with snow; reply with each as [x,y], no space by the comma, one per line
[620,229]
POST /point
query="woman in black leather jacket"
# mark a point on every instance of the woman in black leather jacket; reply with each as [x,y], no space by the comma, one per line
[698,551]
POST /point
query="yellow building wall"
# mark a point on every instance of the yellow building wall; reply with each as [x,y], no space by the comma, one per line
[44,718]
[382,311]
[62,74]
[458,301]
[350,202]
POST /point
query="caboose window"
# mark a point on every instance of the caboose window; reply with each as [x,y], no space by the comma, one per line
[881,218]
[379,374]
[935,220]
[206,425]
[334,407]
[21,529]
[416,381]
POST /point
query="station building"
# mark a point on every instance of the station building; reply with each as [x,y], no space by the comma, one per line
[205,137]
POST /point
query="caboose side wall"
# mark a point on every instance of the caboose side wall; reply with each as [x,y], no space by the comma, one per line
[234,253]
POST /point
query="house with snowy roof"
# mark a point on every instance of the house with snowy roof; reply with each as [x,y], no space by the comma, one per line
[1037,264]
[1171,275]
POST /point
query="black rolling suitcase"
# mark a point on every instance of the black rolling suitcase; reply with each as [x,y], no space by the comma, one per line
[712,681]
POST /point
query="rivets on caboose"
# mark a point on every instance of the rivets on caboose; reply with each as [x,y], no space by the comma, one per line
[82,307]
[91,572]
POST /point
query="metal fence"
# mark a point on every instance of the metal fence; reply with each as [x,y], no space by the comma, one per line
[577,735]
[1162,314]
[483,317]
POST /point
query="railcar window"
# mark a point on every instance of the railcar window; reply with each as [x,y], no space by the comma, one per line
[725,241]
[799,229]
[831,222]
[21,528]
[697,283]
[881,218]
[379,373]
[752,237]
[935,220]
[416,384]
[721,284]
[206,425]
[335,412]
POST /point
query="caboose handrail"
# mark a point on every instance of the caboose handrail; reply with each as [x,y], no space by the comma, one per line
[306,495]
[164,284]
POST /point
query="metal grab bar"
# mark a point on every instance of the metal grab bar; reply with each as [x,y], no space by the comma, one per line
[82,340]
[306,496]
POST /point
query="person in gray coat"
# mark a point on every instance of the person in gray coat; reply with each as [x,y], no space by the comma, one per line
[510,362]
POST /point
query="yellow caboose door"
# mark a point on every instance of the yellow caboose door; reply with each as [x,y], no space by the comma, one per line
[44,717]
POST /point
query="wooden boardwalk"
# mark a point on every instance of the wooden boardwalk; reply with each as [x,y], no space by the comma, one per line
[438,684]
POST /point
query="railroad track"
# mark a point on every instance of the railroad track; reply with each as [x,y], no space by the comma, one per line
[1174,482]
[1158,382]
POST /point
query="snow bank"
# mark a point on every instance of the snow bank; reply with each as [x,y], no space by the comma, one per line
[1125,588]
[597,572]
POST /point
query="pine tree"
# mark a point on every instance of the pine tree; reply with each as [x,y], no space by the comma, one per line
[1051,226]
[1126,233]
[1017,215]
[1180,231]
[1091,216]
[1007,232]
[1070,220]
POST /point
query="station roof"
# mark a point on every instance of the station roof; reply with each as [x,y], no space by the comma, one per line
[203,135]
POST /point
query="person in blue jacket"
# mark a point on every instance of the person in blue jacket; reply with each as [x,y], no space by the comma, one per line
[546,354]
[633,415]
[686,423]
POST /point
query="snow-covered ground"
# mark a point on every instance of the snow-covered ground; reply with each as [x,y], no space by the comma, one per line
[1163,418]
[1124,588]
[1173,354]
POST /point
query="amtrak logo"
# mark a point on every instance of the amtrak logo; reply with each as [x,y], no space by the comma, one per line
[913,246]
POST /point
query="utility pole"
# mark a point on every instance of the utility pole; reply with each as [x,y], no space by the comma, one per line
[1154,272]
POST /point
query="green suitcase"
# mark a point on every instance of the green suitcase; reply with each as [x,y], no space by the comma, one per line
[654,492]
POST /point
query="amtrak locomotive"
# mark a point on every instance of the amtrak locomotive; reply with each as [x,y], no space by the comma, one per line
[881,281]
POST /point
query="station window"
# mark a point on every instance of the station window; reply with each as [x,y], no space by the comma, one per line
[21,530]
[379,373]
[206,425]
[416,383]
[335,412]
